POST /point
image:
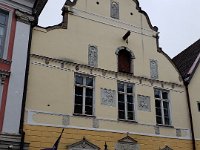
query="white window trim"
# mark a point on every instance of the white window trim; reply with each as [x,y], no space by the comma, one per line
[1,92]
[84,93]
[8,31]
[125,99]
[162,108]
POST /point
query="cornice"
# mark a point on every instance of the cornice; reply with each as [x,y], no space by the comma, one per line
[77,66]
[24,17]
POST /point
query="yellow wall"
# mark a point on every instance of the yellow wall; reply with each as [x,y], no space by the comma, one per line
[42,137]
[194,87]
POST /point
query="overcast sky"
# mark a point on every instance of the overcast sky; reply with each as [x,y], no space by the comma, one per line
[177,20]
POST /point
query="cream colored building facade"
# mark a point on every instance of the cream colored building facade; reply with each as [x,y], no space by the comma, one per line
[101,76]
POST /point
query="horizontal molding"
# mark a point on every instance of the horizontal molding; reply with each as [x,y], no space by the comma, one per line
[112,22]
[112,74]
[31,122]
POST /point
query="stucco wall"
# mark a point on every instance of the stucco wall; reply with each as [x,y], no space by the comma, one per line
[194,87]
[50,95]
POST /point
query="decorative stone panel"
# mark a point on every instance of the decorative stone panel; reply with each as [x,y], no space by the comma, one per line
[127,143]
[114,9]
[108,97]
[178,132]
[92,56]
[95,123]
[154,69]
[66,120]
[157,130]
[144,103]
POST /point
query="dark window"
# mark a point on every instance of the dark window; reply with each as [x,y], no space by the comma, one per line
[198,104]
[3,29]
[125,101]
[83,95]
[124,61]
[162,107]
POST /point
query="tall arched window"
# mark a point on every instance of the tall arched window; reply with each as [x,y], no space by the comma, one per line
[125,57]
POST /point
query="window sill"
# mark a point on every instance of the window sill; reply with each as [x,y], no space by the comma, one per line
[128,121]
[83,115]
[162,125]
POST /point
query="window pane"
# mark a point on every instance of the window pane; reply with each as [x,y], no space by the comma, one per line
[88,110]
[158,104]
[89,92]
[167,121]
[158,112]
[158,120]
[2,31]
[3,18]
[78,90]
[89,81]
[129,88]
[157,94]
[130,107]
[121,114]
[129,98]
[130,116]
[121,97]
[166,105]
[78,109]
[78,100]
[120,87]
[164,95]
[79,80]
[121,106]
[89,101]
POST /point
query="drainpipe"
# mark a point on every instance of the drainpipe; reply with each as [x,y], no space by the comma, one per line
[190,115]
[21,131]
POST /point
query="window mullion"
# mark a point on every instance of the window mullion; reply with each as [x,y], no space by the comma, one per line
[125,100]
[162,110]
[84,94]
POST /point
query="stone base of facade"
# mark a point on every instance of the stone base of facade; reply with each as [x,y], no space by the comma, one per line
[44,137]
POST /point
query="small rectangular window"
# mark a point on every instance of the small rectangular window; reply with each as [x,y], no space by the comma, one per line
[126,109]
[198,105]
[3,30]
[83,95]
[162,107]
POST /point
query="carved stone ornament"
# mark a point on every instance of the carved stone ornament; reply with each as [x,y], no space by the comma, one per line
[178,132]
[70,2]
[166,148]
[114,10]
[144,103]
[95,123]
[154,69]
[66,120]
[24,17]
[108,97]
[83,144]
[127,143]
[92,56]
[157,130]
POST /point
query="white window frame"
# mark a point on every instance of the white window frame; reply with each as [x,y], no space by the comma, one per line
[84,94]
[162,100]
[1,92]
[9,25]
[125,84]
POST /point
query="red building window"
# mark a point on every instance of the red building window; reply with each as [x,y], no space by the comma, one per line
[124,61]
